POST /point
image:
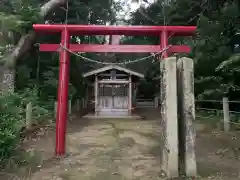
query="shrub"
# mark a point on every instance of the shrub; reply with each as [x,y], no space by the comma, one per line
[12,118]
[11,121]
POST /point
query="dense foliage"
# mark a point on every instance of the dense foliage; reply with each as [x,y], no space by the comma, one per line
[214,48]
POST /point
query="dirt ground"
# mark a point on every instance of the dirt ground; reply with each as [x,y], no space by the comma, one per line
[115,149]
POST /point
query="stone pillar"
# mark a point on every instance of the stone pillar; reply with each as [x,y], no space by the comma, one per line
[186,111]
[156,101]
[7,77]
[168,98]
[96,95]
[130,96]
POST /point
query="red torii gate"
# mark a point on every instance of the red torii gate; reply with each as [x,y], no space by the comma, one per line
[67,30]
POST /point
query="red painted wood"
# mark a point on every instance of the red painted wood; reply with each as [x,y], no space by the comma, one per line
[117,30]
[62,105]
[116,48]
[164,43]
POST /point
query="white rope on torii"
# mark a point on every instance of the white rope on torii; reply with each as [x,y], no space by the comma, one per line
[120,63]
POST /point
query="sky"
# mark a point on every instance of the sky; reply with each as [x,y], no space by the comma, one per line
[130,6]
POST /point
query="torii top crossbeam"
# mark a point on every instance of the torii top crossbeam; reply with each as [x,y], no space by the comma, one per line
[118,30]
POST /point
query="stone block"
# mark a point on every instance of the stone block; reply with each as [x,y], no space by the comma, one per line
[168,106]
[186,115]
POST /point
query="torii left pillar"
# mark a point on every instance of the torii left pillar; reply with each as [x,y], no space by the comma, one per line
[62,105]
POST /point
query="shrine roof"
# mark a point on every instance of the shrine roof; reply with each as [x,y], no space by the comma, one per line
[116,67]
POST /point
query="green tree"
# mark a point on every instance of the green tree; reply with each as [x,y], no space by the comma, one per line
[217,22]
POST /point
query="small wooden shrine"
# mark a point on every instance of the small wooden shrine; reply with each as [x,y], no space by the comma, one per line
[114,88]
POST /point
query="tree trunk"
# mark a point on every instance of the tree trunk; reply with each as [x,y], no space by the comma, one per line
[7,71]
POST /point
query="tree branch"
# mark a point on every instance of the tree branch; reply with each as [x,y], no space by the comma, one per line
[26,41]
